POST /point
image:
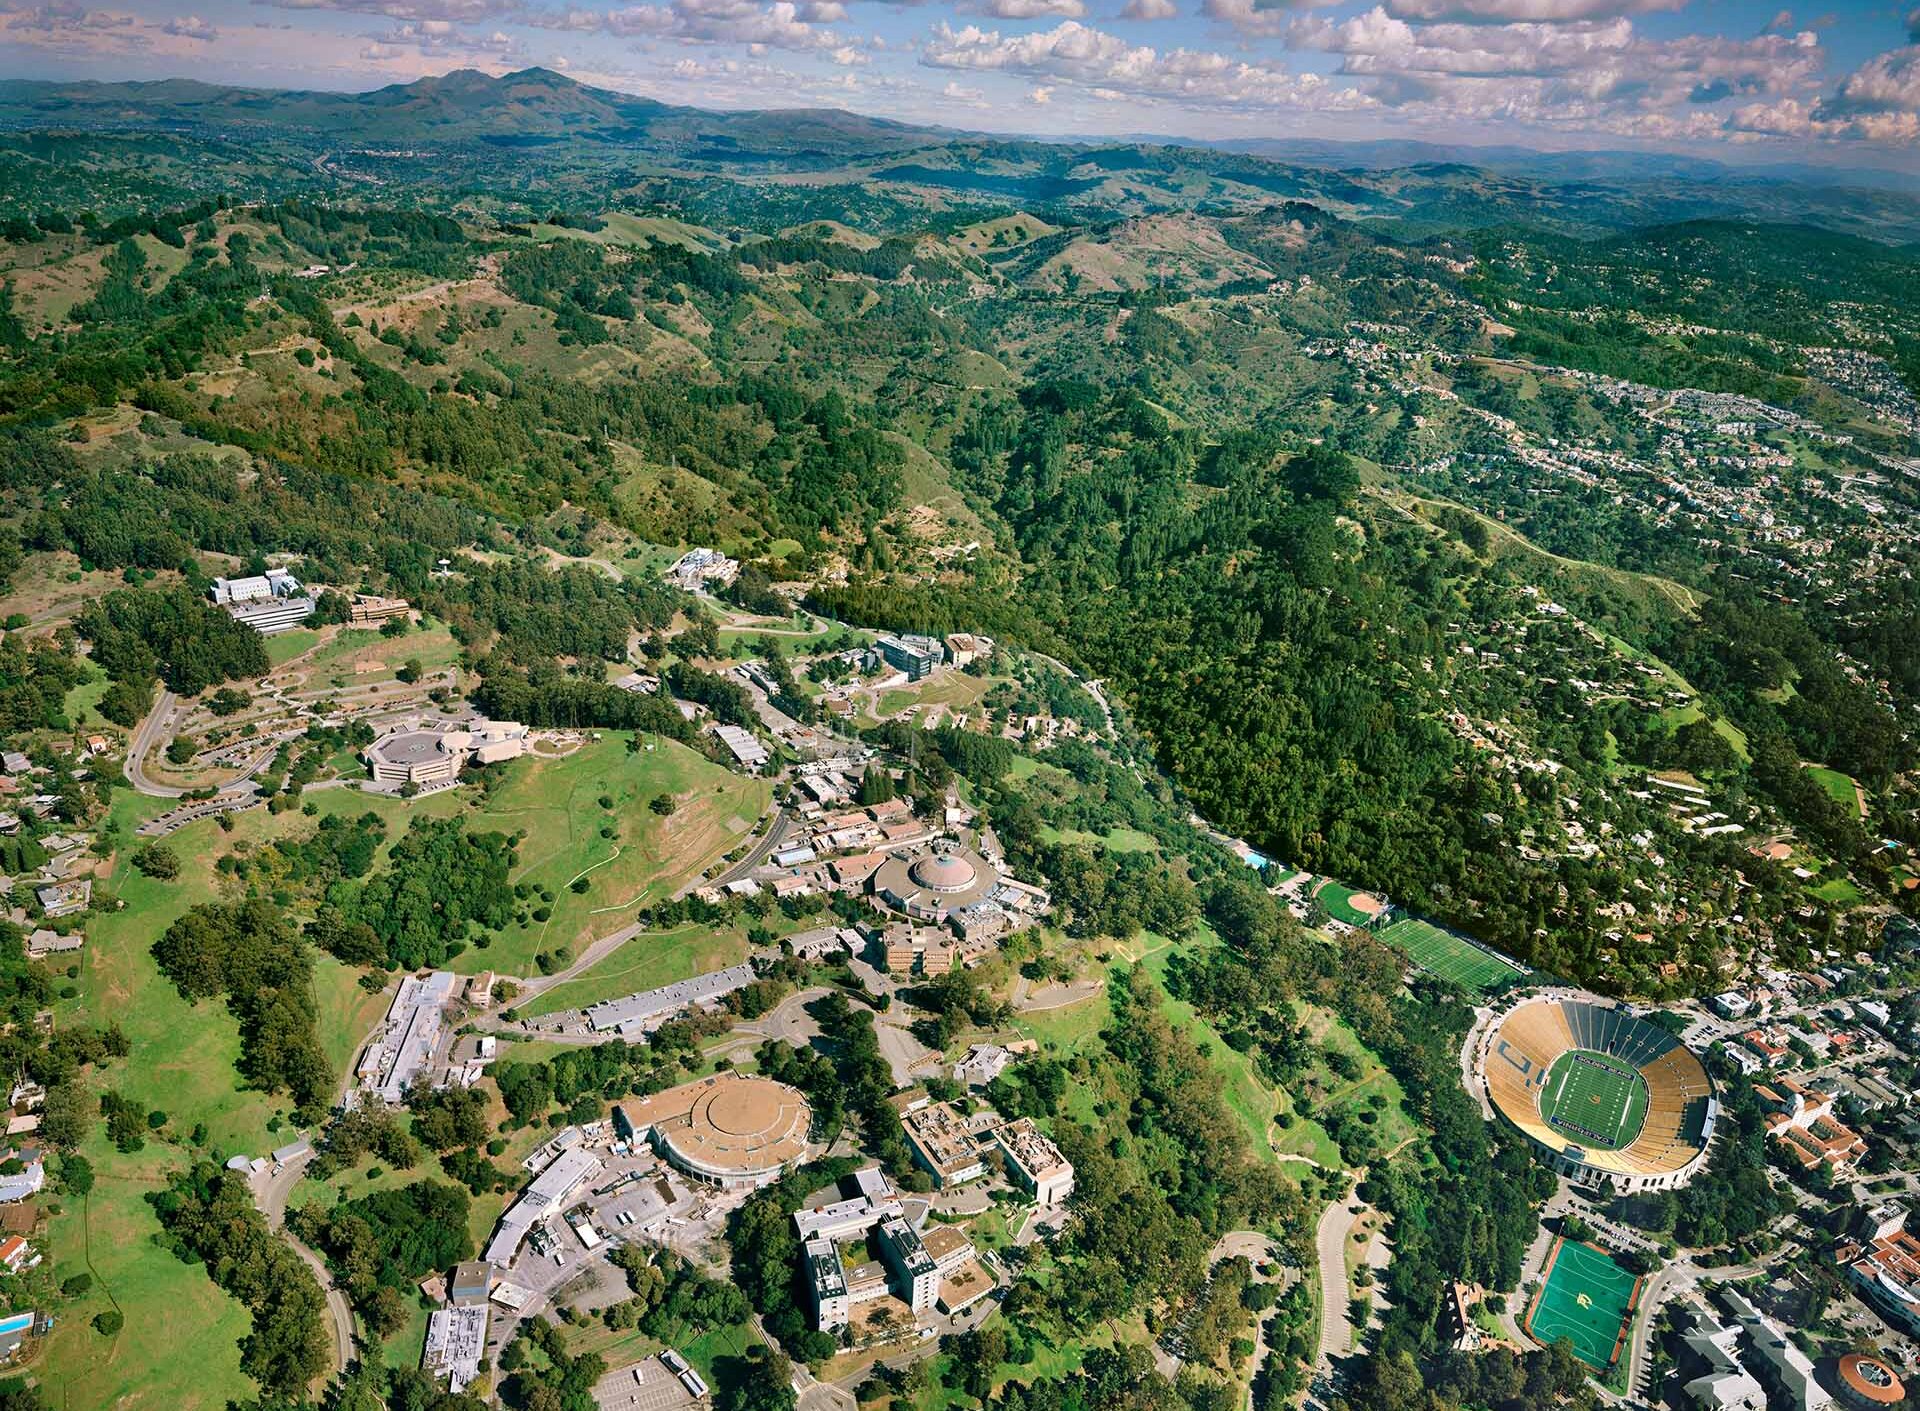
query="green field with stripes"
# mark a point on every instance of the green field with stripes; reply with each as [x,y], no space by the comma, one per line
[1450,957]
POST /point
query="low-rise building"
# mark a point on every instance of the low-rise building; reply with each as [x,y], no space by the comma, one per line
[746,750]
[456,1344]
[1725,1385]
[1883,1263]
[369,610]
[426,757]
[1780,1364]
[641,1013]
[1802,1122]
[43,943]
[943,1145]
[1034,1162]
[409,1038]
[918,657]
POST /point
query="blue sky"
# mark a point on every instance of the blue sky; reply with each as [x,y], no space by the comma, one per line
[1725,78]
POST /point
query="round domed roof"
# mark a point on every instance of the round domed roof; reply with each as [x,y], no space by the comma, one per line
[944,872]
[1870,1381]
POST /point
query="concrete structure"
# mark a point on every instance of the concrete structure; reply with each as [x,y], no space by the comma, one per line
[423,757]
[965,648]
[731,1130]
[1676,1132]
[916,656]
[1884,1265]
[746,750]
[268,603]
[1868,1383]
[1781,1365]
[408,1040]
[456,1344]
[916,1278]
[471,1282]
[631,1015]
[1725,1385]
[549,1194]
[930,886]
[697,568]
[985,1062]
[1034,1162]
[827,1278]
[942,1145]
[368,610]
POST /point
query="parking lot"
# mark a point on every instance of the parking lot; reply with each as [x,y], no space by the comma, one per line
[655,1389]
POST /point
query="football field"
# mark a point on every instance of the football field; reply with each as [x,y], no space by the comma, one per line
[1450,957]
[1597,1100]
[1586,1299]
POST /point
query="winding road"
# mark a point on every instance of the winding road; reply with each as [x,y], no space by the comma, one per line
[271,1196]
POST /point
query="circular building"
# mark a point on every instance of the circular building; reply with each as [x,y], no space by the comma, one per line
[1869,1383]
[732,1130]
[1603,1095]
[930,886]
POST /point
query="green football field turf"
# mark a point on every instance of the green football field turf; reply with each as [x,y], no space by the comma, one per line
[1588,1300]
[1598,1101]
[1449,957]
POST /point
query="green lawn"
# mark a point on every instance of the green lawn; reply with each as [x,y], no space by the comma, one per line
[1837,891]
[283,647]
[179,1347]
[1114,839]
[644,963]
[1839,787]
[556,803]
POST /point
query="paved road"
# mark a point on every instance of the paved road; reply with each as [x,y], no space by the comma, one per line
[271,1197]
[756,854]
[1330,1251]
[157,725]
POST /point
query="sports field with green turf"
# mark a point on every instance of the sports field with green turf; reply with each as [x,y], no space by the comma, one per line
[1586,1299]
[1597,1100]
[1450,957]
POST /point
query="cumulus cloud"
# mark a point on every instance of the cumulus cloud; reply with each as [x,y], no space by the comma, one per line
[1090,58]
[1597,73]
[781,25]
[1886,86]
[1150,10]
[1029,9]
[191,27]
[1040,97]
[417,10]
[1534,11]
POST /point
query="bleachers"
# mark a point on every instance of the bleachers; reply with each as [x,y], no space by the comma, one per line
[1538,1031]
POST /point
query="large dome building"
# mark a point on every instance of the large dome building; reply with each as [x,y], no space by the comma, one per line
[931,886]
[732,1130]
[1603,1095]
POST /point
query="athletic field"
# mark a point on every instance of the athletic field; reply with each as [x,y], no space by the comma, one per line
[1586,1299]
[1450,957]
[1597,1100]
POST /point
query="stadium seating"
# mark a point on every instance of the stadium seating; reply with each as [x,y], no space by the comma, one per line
[1538,1031]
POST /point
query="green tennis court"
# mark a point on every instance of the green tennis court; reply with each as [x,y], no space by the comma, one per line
[1586,1299]
[1450,957]
[1596,1099]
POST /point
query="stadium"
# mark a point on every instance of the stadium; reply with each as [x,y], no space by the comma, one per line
[1604,1096]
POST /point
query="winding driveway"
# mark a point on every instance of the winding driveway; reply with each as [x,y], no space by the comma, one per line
[272,1200]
